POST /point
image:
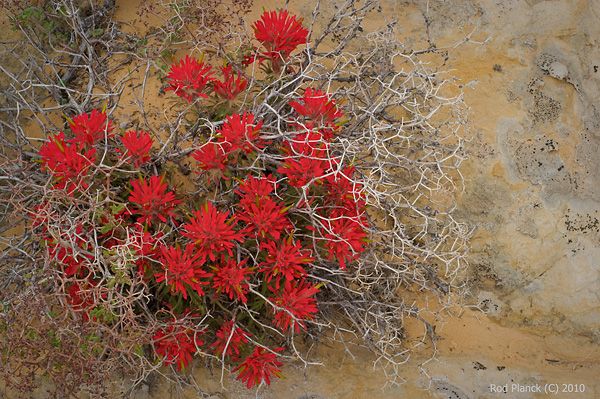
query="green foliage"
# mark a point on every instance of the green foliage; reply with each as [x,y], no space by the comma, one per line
[96,32]
[47,23]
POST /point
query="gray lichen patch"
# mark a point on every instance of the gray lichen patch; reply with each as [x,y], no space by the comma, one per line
[587,159]
[546,110]
[538,161]
[489,303]
[484,203]
[446,390]
[581,223]
[550,64]
[528,227]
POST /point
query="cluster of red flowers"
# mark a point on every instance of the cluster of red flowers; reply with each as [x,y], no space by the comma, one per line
[259,367]
[68,162]
[320,112]
[230,340]
[238,135]
[151,199]
[279,33]
[80,299]
[203,258]
[90,129]
[231,86]
[138,145]
[191,77]
[177,344]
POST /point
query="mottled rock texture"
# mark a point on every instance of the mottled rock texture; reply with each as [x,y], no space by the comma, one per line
[533,196]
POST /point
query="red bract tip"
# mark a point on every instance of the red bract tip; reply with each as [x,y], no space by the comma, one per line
[239,133]
[259,367]
[301,171]
[89,129]
[81,298]
[212,232]
[280,33]
[69,163]
[138,145]
[230,339]
[253,189]
[284,260]
[152,200]
[266,219]
[231,278]
[346,240]
[308,158]
[212,159]
[182,270]
[320,109]
[189,78]
[74,255]
[296,298]
[231,86]
[176,344]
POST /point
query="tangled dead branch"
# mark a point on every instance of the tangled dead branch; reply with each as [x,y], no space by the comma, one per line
[406,125]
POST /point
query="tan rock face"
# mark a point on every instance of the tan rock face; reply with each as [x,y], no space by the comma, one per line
[533,195]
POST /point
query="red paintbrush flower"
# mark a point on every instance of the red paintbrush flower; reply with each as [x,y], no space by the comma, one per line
[189,78]
[230,339]
[231,278]
[308,158]
[303,170]
[176,344]
[212,159]
[42,214]
[259,367]
[310,143]
[297,301]
[343,192]
[266,219]
[151,199]
[253,190]
[285,260]
[230,87]
[211,232]
[138,145]
[73,255]
[81,298]
[67,162]
[346,239]
[145,246]
[64,257]
[320,109]
[182,270]
[280,33]
[239,133]
[89,129]
[79,301]
[53,152]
